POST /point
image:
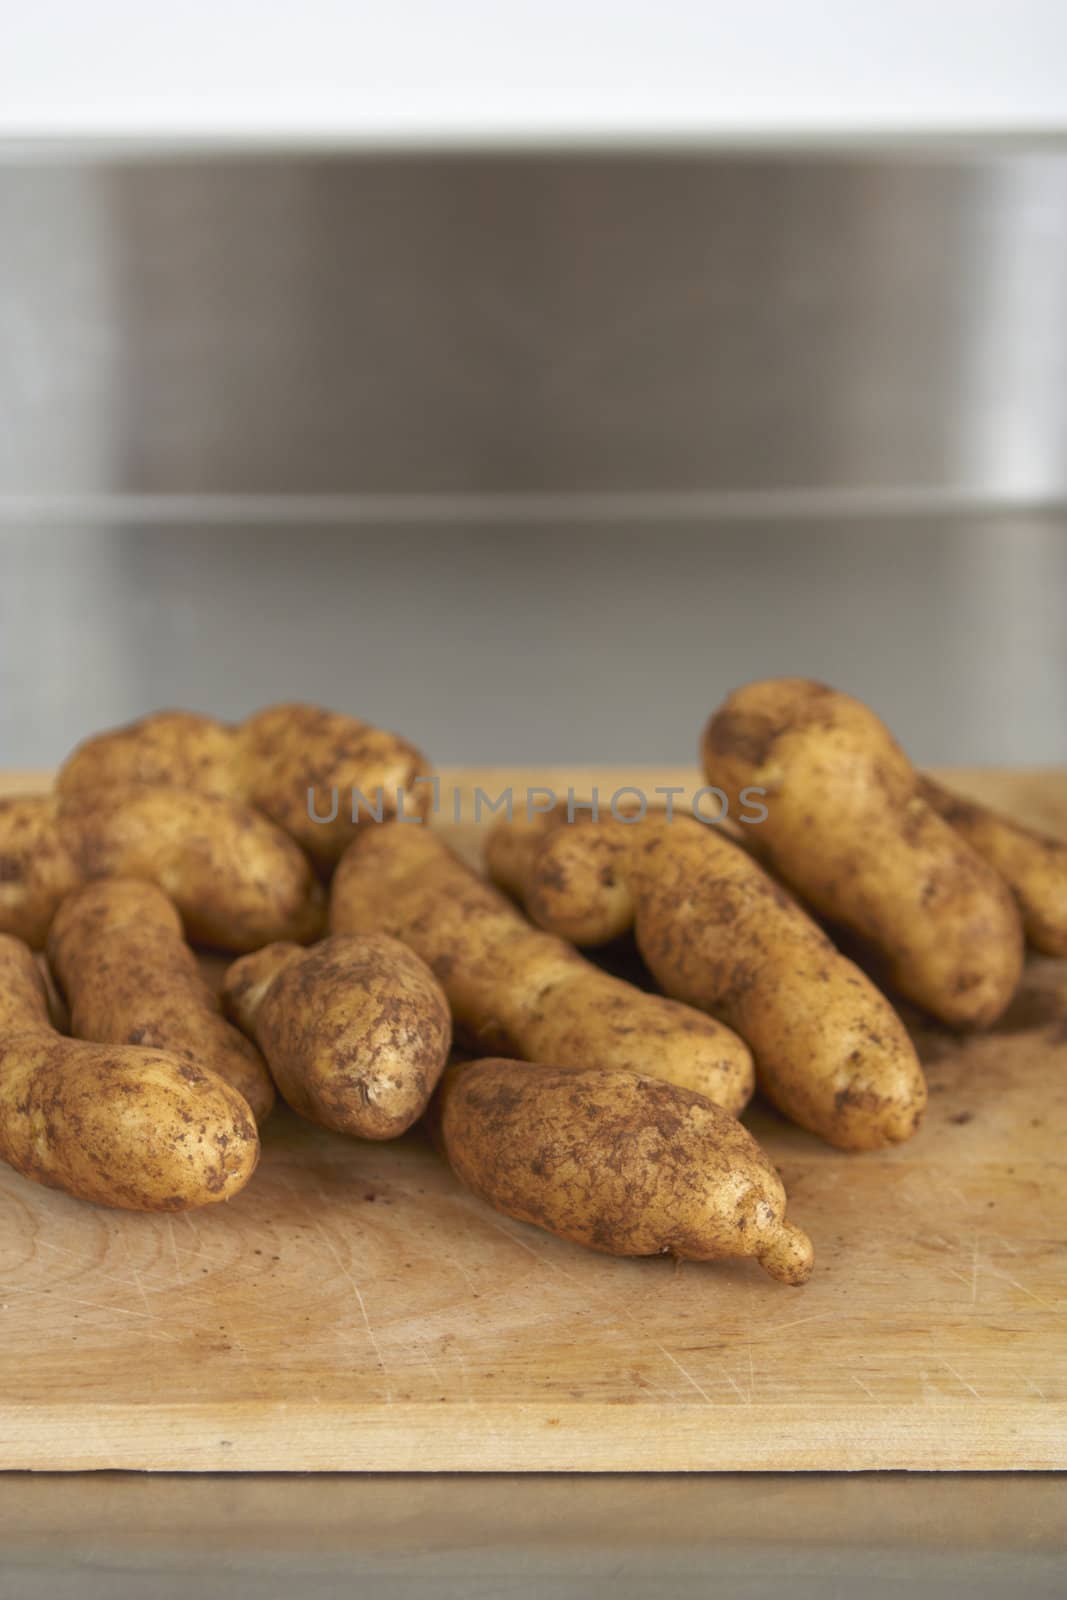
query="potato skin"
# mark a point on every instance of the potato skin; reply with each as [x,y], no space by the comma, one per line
[625,1164]
[270,760]
[238,881]
[37,868]
[717,933]
[515,990]
[283,750]
[118,1125]
[849,832]
[570,876]
[179,749]
[117,950]
[830,1050]
[1033,864]
[356,1031]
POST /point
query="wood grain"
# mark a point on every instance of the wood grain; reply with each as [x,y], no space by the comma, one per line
[354,1309]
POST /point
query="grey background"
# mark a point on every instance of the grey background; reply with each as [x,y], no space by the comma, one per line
[864,323]
[533,457]
[542,643]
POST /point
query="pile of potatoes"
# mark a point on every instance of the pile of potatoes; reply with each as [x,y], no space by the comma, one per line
[369,957]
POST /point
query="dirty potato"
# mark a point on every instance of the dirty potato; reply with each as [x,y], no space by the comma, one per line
[850,832]
[117,950]
[238,881]
[307,768]
[37,867]
[116,1124]
[356,1031]
[516,990]
[619,1162]
[717,933]
[1032,864]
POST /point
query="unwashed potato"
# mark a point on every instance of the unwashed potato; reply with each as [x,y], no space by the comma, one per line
[622,1163]
[117,950]
[1033,864]
[716,932]
[570,875]
[238,881]
[272,760]
[356,1030]
[515,990]
[115,1124]
[850,832]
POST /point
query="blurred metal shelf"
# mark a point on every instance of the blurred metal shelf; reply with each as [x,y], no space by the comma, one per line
[443,439]
[685,328]
[552,644]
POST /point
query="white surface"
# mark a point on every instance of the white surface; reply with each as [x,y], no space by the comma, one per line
[457,71]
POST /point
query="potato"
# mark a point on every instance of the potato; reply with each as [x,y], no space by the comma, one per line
[570,876]
[356,1030]
[289,760]
[37,868]
[617,1161]
[180,749]
[1032,864]
[716,932]
[849,831]
[115,1124]
[117,950]
[515,990]
[238,881]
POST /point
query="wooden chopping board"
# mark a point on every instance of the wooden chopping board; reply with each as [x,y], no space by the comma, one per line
[355,1309]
